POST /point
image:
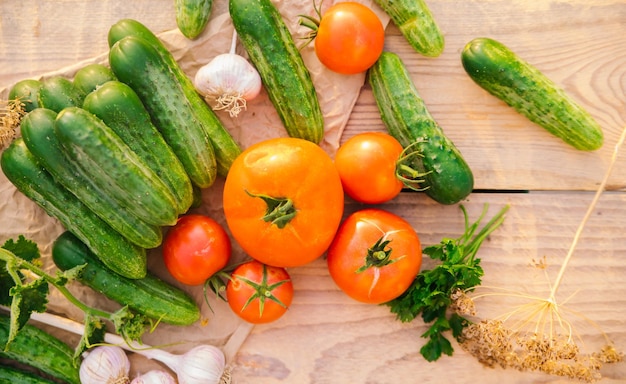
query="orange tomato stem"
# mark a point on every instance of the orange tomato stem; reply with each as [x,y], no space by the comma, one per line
[280,210]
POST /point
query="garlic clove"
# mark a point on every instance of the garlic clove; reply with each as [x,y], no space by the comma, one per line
[105,364]
[229,80]
[154,377]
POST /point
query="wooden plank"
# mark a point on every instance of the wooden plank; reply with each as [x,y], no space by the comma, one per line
[327,337]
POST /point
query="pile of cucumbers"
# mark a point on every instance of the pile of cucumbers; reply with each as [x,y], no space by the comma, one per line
[118,152]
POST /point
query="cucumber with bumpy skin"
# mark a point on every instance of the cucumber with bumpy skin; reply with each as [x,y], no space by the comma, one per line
[40,138]
[57,93]
[102,156]
[119,107]
[498,70]
[225,148]
[38,349]
[91,76]
[14,376]
[27,92]
[446,176]
[149,296]
[192,16]
[417,24]
[30,177]
[288,83]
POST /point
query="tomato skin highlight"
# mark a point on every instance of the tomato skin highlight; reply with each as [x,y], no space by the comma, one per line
[347,256]
[195,248]
[239,292]
[350,38]
[366,163]
[284,168]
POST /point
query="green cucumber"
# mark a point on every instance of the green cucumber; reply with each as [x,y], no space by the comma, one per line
[502,73]
[119,107]
[57,93]
[288,83]
[27,91]
[101,155]
[30,177]
[191,105]
[149,296]
[38,349]
[15,376]
[446,176]
[417,24]
[39,135]
[192,16]
[138,64]
[91,76]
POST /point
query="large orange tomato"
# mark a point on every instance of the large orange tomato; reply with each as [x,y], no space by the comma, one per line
[350,38]
[375,256]
[283,201]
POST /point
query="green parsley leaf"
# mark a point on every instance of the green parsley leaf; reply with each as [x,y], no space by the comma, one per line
[430,293]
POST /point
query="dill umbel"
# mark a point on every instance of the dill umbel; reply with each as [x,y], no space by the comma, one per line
[10,116]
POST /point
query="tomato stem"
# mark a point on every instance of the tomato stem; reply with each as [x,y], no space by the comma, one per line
[263,291]
[311,22]
[280,210]
[407,168]
[378,255]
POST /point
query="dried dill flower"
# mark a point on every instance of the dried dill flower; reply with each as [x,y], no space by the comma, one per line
[10,116]
[493,344]
[462,304]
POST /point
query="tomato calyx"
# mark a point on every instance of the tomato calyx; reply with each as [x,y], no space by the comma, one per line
[262,291]
[280,210]
[378,255]
[311,22]
[408,169]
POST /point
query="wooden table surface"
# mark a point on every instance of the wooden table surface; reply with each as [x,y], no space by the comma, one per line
[327,337]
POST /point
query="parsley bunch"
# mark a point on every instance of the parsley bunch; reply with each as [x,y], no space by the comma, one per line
[431,292]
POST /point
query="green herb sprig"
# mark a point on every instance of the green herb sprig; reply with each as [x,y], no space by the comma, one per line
[431,293]
[24,287]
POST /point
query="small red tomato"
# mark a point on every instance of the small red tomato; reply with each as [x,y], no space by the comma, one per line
[350,38]
[259,293]
[375,256]
[366,163]
[195,249]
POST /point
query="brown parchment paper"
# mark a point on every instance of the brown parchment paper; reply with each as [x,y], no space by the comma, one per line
[337,95]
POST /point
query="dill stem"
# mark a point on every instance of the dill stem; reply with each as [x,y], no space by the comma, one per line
[590,209]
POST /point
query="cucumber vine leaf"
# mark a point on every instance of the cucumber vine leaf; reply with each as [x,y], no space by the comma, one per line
[25,287]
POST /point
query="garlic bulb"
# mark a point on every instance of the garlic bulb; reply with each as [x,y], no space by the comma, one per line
[154,377]
[204,364]
[229,80]
[105,364]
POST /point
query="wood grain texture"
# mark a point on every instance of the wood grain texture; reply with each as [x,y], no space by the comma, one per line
[579,45]
[327,337]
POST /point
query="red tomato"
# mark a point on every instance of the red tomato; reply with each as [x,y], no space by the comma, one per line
[259,293]
[375,256]
[195,248]
[283,201]
[367,166]
[350,38]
